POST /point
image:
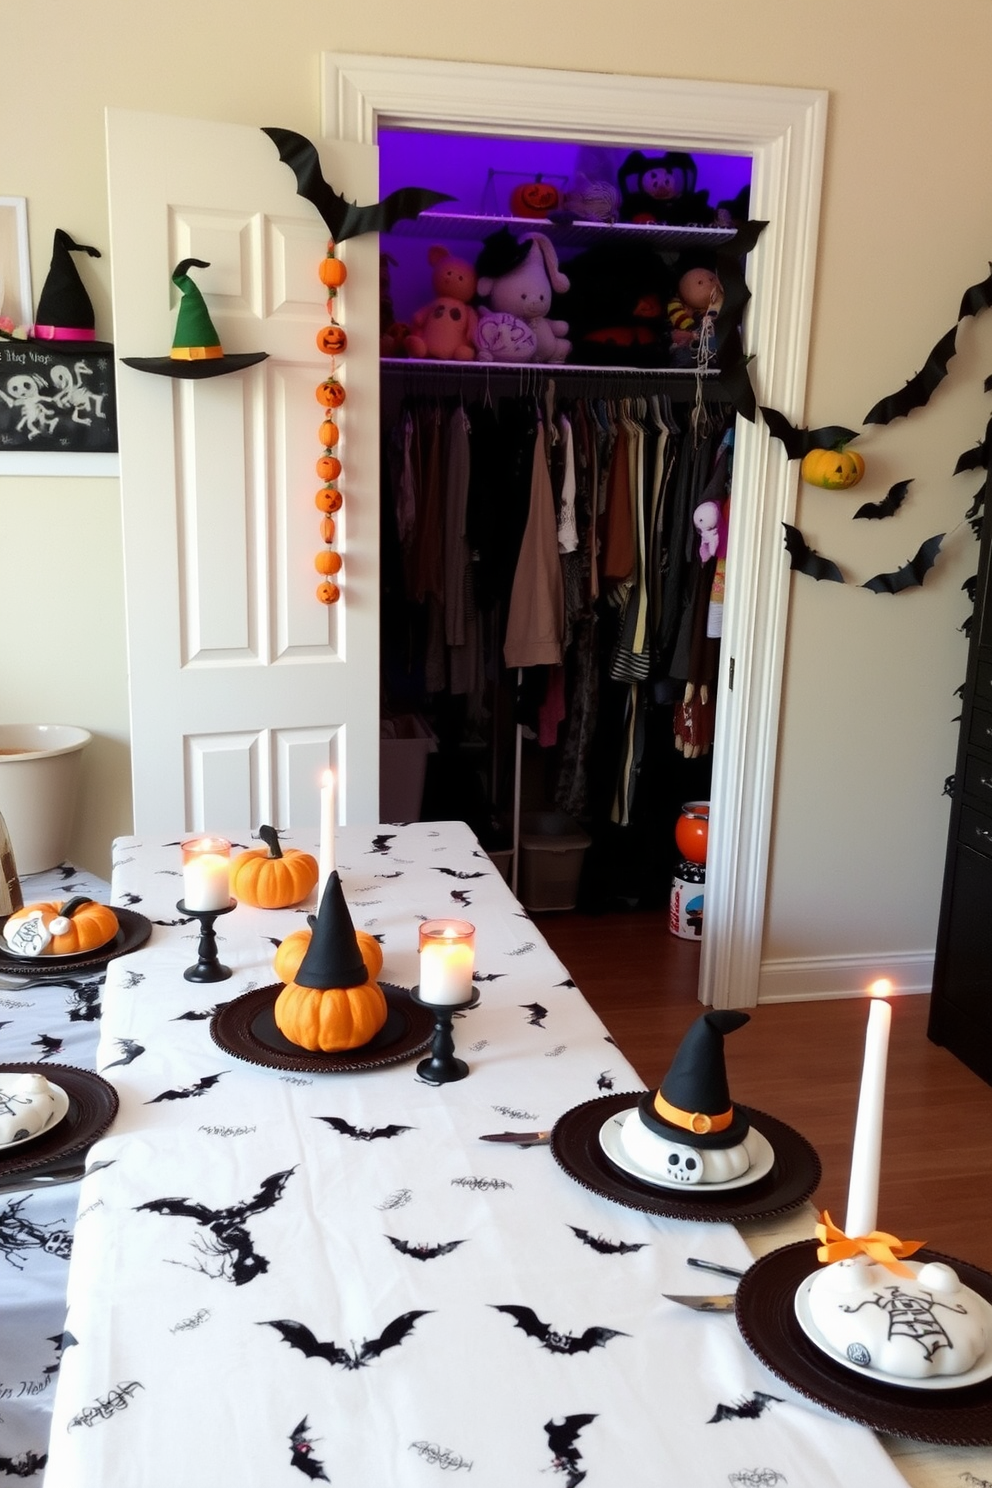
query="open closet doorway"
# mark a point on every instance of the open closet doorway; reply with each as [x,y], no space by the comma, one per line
[781,132]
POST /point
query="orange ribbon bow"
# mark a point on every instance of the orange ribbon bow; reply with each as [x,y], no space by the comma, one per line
[878,1246]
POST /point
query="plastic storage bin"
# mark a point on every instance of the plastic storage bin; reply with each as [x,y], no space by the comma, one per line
[552,849]
[404,745]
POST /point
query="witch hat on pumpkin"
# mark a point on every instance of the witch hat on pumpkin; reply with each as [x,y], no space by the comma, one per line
[64,316]
[332,958]
[692,1104]
[196,349]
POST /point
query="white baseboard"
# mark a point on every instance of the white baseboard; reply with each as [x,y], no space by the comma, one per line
[810,978]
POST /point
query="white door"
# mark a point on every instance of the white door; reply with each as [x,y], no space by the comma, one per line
[244,687]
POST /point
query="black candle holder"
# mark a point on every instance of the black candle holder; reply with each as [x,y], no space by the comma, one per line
[208,968]
[443,1067]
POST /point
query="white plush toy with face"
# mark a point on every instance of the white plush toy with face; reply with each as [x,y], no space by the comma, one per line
[525,290]
[676,1162]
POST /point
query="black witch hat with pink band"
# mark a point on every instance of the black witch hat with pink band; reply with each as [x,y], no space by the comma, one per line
[64,318]
[692,1105]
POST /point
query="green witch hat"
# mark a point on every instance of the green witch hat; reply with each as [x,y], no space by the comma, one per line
[64,317]
[196,349]
[333,958]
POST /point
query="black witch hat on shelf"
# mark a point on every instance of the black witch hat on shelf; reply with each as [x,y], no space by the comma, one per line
[196,349]
[332,958]
[64,318]
[693,1105]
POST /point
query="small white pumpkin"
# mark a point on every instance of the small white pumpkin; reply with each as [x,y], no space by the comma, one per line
[677,1162]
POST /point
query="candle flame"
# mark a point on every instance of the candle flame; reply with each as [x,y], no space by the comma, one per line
[880,988]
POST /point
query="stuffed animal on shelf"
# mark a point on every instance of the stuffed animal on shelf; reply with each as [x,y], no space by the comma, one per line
[616,306]
[444,329]
[519,279]
[584,200]
[504,338]
[692,312]
[662,189]
[392,333]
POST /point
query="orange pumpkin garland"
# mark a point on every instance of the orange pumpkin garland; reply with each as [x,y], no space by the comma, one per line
[333,341]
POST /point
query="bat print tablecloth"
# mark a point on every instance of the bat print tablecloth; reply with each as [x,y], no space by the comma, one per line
[282,1275]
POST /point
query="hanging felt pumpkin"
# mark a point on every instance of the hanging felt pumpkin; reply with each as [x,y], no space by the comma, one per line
[272,877]
[330,393]
[332,272]
[330,1001]
[327,561]
[328,500]
[328,433]
[533,198]
[833,470]
[328,467]
[331,340]
[328,593]
[74,925]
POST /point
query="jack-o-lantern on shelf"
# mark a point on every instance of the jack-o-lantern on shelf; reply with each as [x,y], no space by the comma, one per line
[332,341]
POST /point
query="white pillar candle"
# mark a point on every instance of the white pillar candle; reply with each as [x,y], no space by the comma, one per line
[447,960]
[206,873]
[862,1195]
[326,861]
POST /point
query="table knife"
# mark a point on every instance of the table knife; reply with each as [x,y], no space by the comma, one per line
[719,1302]
[519,1139]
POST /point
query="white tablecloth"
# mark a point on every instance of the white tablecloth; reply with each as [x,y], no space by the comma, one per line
[245,1209]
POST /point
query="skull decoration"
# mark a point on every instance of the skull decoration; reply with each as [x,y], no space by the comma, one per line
[683,1164]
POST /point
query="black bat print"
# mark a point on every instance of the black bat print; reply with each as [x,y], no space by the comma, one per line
[229,1239]
[397,874]
[300,1453]
[489,976]
[918,389]
[128,899]
[460,873]
[799,442]
[185,920]
[298,1336]
[48,1045]
[537,1013]
[604,1081]
[565,1455]
[912,573]
[4,1022]
[362,1133]
[807,560]
[132,979]
[25,1465]
[344,219]
[424,1252]
[381,843]
[605,1247]
[130,1051]
[744,1410]
[551,1339]
[566,983]
[462,897]
[86,1005]
[199,1017]
[889,506]
[205,1083]
[67,870]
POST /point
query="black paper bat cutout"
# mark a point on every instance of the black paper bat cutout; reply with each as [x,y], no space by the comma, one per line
[130,1050]
[979,456]
[362,1133]
[298,1336]
[23,1466]
[344,219]
[918,389]
[537,1013]
[230,1239]
[565,1455]
[424,1252]
[889,506]
[912,573]
[799,442]
[976,297]
[300,1453]
[744,1410]
[807,560]
[206,1083]
[606,1247]
[460,873]
[551,1339]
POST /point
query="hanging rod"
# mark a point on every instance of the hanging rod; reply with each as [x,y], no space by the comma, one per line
[427,375]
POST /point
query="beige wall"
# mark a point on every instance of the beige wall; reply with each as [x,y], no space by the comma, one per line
[867,733]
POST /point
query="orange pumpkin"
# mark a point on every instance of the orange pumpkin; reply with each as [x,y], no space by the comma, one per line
[327,529]
[328,593]
[327,561]
[332,272]
[833,470]
[272,877]
[328,433]
[328,467]
[331,340]
[330,393]
[75,925]
[290,952]
[533,198]
[328,500]
[331,1019]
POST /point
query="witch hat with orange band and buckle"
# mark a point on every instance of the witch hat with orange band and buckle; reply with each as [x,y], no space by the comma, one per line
[692,1104]
[196,349]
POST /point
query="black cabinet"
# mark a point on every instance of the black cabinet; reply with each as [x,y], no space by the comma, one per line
[961,1000]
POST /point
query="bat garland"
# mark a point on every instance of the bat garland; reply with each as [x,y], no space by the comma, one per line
[807,560]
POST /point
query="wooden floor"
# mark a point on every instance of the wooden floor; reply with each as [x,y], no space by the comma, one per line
[801,1062]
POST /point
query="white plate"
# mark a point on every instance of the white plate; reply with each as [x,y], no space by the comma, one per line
[609,1140]
[974,1376]
[61,1107]
[13,958]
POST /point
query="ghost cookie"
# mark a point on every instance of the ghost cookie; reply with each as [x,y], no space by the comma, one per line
[28,1105]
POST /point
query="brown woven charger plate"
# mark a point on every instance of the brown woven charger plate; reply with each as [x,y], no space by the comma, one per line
[93,1103]
[133,930]
[245,1027]
[794,1176]
[766,1316]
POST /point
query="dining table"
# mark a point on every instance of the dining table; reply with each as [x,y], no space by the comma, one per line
[287,1264]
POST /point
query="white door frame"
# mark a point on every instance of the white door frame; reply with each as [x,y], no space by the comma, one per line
[783,130]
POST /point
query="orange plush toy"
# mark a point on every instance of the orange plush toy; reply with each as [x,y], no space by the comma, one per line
[445,329]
